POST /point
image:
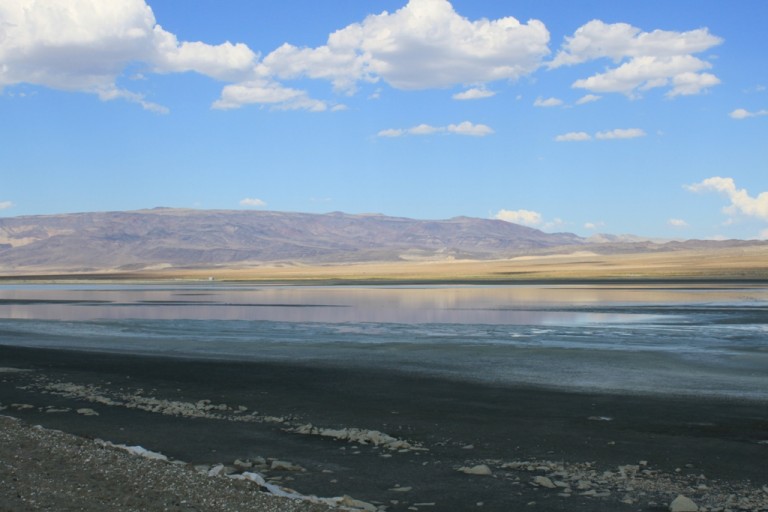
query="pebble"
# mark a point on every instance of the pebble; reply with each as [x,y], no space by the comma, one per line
[480,469]
[543,481]
[683,504]
[281,465]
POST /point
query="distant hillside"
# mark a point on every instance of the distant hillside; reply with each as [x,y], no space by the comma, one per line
[187,238]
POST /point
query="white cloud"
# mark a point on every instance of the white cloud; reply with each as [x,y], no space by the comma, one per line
[4,205]
[467,128]
[391,132]
[225,61]
[525,217]
[253,202]
[644,60]
[85,46]
[476,93]
[588,98]
[464,128]
[620,133]
[741,113]
[763,234]
[741,201]
[265,92]
[423,45]
[549,102]
[424,129]
[573,137]
[594,225]
[677,223]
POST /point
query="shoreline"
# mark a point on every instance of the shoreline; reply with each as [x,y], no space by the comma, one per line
[518,433]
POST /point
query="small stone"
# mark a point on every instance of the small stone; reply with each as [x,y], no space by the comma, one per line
[683,504]
[543,481]
[349,501]
[216,470]
[243,465]
[281,465]
[480,469]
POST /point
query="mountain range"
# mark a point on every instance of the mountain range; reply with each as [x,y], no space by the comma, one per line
[169,237]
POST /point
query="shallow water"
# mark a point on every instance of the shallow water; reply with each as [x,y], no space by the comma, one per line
[643,339]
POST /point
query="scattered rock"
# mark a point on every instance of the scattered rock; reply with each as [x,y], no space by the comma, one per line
[480,469]
[281,465]
[348,501]
[543,481]
[683,504]
[243,465]
[216,470]
[360,436]
[85,411]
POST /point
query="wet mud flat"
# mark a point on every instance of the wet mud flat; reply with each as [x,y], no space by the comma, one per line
[401,440]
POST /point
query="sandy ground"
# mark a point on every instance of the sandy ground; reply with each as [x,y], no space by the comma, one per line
[394,441]
[727,263]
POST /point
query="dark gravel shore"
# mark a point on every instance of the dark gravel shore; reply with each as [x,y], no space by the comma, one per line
[399,441]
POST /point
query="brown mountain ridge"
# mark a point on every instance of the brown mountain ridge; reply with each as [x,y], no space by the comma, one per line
[185,238]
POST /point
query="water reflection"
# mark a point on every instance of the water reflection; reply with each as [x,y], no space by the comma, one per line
[517,305]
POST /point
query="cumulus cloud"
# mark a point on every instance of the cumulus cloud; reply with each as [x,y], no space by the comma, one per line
[573,137]
[4,205]
[392,132]
[266,92]
[253,202]
[424,129]
[741,202]
[425,44]
[464,128]
[525,217]
[741,113]
[467,128]
[677,223]
[594,225]
[643,60]
[549,102]
[476,93]
[620,133]
[588,98]
[85,45]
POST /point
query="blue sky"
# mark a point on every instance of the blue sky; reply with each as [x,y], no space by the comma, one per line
[594,116]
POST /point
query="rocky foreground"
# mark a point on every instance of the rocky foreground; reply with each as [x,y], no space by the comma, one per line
[49,470]
[278,437]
